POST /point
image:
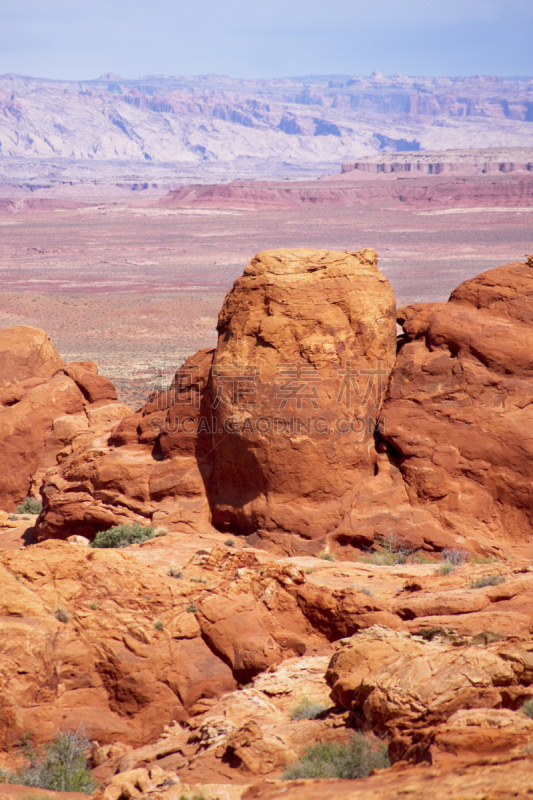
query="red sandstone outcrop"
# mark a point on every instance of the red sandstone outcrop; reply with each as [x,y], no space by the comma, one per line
[44,406]
[272,434]
[404,688]
[416,191]
[273,431]
[314,335]
[103,662]
[504,778]
[458,407]
[153,468]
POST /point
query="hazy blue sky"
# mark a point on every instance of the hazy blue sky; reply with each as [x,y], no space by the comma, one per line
[269,38]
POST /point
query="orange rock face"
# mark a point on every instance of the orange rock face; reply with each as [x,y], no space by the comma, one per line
[44,406]
[459,408]
[133,650]
[149,470]
[306,343]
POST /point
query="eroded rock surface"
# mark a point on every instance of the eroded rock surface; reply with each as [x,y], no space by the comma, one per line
[316,331]
[458,410]
[45,405]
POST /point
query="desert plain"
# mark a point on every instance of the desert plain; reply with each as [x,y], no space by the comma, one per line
[136,284]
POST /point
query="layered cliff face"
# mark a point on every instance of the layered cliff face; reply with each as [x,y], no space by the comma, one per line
[300,121]
[44,405]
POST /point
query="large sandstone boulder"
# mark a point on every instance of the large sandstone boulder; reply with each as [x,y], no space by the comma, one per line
[459,408]
[402,685]
[26,354]
[310,338]
[44,406]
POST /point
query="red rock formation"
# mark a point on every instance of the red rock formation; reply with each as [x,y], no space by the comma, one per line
[452,467]
[310,331]
[502,779]
[438,191]
[245,433]
[44,406]
[458,408]
[152,468]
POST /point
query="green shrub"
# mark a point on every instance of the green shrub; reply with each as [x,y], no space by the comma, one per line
[230,543]
[488,580]
[446,568]
[327,556]
[124,535]
[421,558]
[307,709]
[195,796]
[60,766]
[61,615]
[31,505]
[428,634]
[527,708]
[335,760]
[94,606]
[384,558]
[158,625]
[191,608]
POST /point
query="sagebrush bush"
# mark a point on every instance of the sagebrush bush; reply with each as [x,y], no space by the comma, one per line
[60,766]
[446,568]
[61,615]
[175,573]
[307,709]
[191,608]
[487,580]
[327,556]
[31,505]
[158,625]
[124,535]
[230,543]
[335,760]
[454,556]
[527,708]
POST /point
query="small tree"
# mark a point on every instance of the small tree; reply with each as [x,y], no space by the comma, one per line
[60,766]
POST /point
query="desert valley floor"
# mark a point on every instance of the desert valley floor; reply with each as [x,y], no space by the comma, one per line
[137,284]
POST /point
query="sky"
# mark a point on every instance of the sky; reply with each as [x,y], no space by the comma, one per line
[75,40]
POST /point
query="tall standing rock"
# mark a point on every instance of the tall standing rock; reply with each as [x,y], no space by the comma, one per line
[307,339]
